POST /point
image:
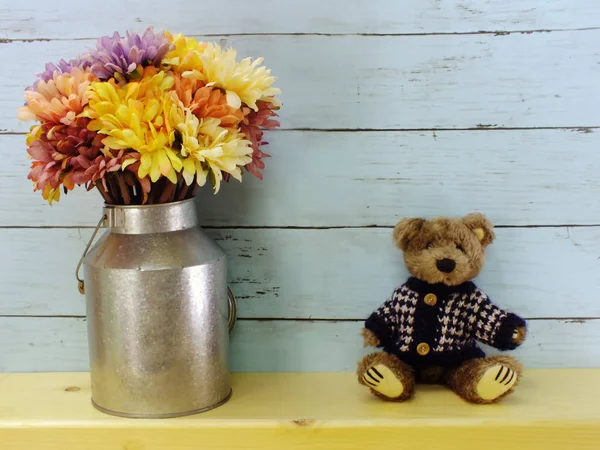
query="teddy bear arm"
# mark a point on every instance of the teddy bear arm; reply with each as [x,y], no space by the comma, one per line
[519,335]
[369,338]
[505,334]
[496,327]
[380,328]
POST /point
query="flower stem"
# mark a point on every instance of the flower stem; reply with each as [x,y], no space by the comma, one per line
[114,190]
[195,187]
[181,195]
[167,193]
[104,193]
[123,189]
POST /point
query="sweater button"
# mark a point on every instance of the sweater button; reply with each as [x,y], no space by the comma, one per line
[430,299]
[423,349]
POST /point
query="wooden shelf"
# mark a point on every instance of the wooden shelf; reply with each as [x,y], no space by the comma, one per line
[553,409]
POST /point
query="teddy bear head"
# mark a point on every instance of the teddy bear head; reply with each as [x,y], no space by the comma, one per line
[444,250]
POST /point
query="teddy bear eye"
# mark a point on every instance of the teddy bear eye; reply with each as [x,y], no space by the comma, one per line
[429,245]
[460,248]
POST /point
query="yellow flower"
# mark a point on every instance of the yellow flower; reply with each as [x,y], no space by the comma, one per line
[188,129]
[244,81]
[215,150]
[186,54]
[35,133]
[51,195]
[133,117]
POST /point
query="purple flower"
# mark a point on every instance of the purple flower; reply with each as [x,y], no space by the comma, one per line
[122,55]
[63,66]
[82,61]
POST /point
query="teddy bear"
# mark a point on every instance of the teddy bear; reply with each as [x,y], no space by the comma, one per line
[428,329]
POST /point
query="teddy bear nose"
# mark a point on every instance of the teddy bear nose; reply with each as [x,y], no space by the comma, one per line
[445,265]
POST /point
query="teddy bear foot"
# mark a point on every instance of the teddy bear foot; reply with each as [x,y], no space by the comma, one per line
[485,380]
[386,376]
[496,381]
[384,381]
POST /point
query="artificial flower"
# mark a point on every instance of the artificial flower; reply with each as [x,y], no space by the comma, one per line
[82,62]
[103,165]
[252,125]
[147,118]
[185,125]
[184,55]
[61,155]
[244,81]
[124,57]
[133,117]
[59,100]
[218,150]
[210,102]
[206,101]
[45,171]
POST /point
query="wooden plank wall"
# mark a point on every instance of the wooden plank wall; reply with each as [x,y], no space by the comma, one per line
[392,108]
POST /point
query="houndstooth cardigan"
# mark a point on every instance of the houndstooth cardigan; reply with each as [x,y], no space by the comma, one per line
[442,331]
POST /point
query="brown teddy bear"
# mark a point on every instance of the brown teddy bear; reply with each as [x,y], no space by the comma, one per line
[429,326]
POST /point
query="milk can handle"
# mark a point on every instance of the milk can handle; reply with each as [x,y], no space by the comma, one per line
[232,309]
[81,284]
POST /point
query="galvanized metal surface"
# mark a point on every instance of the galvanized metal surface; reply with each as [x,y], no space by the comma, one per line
[158,316]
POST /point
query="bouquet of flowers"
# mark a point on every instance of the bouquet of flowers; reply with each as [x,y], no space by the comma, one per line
[148,119]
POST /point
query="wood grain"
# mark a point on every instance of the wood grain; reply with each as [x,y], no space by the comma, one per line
[393,82]
[320,412]
[60,345]
[38,19]
[523,177]
[323,274]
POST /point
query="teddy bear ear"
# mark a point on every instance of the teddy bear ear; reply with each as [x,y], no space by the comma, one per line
[405,231]
[481,227]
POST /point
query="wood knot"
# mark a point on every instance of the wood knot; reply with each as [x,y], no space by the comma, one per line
[304,422]
[73,389]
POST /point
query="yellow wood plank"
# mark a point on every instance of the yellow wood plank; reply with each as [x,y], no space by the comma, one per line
[553,409]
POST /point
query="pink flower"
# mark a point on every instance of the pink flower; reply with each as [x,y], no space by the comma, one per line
[100,167]
[62,154]
[107,163]
[252,125]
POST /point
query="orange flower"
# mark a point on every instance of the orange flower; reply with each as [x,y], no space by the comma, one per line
[60,99]
[186,88]
[212,102]
[206,101]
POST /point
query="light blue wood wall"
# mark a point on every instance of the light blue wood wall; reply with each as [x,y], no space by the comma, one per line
[392,108]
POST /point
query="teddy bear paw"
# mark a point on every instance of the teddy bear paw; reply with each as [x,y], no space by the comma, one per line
[495,382]
[383,380]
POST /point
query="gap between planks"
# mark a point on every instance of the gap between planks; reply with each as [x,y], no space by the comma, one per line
[283,227]
[441,33]
[292,319]
[478,127]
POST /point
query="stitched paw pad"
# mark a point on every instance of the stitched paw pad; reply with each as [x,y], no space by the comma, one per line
[383,380]
[496,381]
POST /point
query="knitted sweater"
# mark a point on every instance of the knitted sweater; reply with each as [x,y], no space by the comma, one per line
[437,325]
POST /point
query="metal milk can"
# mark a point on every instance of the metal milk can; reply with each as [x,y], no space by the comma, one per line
[158,313]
